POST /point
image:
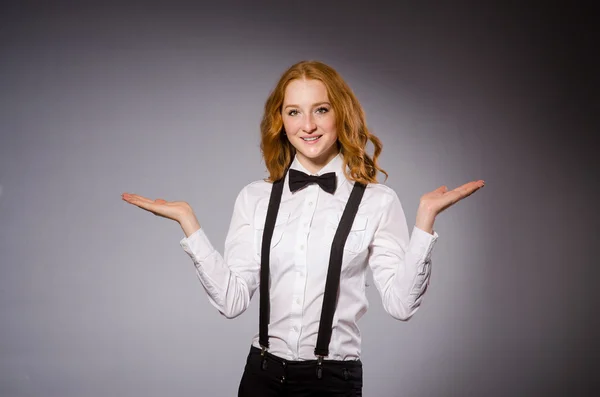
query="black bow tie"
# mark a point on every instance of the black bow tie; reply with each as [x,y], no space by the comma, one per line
[299,179]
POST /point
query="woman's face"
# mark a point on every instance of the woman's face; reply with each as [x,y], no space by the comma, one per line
[309,122]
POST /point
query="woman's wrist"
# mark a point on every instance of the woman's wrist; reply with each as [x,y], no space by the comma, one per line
[189,224]
[425,219]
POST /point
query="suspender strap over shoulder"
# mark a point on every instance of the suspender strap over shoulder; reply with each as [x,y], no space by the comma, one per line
[273,209]
[332,284]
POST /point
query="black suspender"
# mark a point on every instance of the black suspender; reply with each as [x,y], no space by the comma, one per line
[273,209]
[332,284]
[333,273]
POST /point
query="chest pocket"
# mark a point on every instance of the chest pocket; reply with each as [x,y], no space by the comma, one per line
[356,237]
[259,227]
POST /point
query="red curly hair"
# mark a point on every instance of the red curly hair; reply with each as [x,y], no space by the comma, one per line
[352,130]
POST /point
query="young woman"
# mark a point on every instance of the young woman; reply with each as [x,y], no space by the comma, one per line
[306,237]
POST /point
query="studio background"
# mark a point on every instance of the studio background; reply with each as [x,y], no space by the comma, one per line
[97,297]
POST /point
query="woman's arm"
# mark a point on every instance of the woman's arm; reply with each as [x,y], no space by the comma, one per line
[401,265]
[229,281]
[232,279]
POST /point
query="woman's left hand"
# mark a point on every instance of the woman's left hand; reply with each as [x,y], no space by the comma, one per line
[438,200]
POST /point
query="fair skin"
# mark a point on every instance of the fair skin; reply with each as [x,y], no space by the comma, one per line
[309,123]
[307,114]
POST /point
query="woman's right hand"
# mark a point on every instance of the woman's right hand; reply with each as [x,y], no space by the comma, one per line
[179,211]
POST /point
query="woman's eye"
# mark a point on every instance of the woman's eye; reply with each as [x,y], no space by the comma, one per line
[322,110]
[292,112]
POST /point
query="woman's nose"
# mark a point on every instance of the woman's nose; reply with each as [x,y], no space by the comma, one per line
[309,124]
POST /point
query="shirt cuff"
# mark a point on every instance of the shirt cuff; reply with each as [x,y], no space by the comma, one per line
[422,243]
[197,246]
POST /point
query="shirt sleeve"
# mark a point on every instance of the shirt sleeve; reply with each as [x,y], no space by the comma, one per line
[401,265]
[229,280]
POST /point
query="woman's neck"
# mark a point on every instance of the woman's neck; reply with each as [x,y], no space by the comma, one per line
[315,165]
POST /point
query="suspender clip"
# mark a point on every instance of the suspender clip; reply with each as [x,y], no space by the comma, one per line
[263,355]
[319,367]
[346,374]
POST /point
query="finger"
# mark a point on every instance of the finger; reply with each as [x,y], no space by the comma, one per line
[453,196]
[149,206]
[479,183]
[459,193]
[468,188]
[137,197]
[142,202]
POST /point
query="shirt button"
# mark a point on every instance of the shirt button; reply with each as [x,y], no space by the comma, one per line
[295,329]
[310,203]
[297,301]
[302,247]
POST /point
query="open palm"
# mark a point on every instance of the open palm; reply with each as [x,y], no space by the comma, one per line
[175,210]
[441,198]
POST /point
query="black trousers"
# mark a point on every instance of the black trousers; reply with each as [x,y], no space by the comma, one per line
[279,377]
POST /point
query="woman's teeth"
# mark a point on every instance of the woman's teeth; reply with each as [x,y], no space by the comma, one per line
[311,138]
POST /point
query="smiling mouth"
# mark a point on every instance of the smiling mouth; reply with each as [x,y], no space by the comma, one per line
[312,138]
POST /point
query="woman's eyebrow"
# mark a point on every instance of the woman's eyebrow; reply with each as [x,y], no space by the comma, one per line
[292,105]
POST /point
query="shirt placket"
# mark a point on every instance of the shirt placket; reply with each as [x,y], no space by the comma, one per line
[300,261]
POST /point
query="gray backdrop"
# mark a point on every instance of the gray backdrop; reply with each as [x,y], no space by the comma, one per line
[96,296]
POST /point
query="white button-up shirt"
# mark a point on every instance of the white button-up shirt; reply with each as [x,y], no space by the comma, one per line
[300,248]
